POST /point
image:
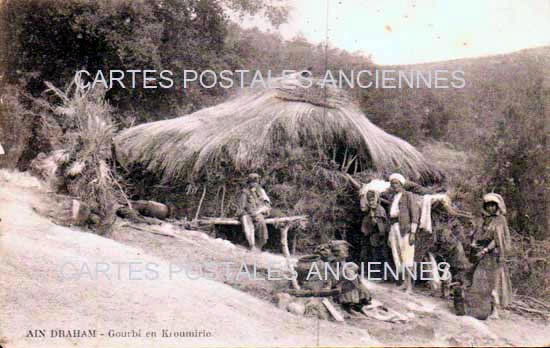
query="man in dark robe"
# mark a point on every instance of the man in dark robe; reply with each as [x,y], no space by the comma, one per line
[374,228]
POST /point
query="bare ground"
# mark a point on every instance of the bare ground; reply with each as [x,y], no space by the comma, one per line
[34,295]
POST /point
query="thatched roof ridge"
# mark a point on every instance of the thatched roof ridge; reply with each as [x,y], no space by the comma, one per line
[244,130]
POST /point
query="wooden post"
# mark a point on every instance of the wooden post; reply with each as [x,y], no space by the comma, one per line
[284,240]
[200,203]
[223,199]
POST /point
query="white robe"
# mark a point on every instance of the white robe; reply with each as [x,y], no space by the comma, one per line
[402,251]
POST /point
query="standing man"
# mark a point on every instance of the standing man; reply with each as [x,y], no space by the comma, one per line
[374,228]
[404,219]
[254,205]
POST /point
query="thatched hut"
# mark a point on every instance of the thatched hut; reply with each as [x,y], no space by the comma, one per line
[297,136]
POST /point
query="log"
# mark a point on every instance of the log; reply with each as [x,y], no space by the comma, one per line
[151,209]
[220,221]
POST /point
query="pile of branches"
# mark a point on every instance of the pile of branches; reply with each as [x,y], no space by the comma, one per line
[530,306]
[85,163]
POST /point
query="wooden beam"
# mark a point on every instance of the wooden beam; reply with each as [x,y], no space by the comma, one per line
[220,221]
[235,222]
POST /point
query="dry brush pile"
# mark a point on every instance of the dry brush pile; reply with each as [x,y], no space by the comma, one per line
[83,163]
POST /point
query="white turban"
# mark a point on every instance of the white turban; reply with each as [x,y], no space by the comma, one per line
[398,177]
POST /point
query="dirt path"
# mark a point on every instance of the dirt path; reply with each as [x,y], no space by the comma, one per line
[33,295]
[35,254]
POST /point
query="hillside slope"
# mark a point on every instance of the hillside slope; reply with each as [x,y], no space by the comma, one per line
[493,84]
[32,295]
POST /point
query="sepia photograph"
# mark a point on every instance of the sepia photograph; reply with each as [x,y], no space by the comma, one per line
[274,173]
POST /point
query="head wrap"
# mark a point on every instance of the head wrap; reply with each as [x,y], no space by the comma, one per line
[253,177]
[495,198]
[339,248]
[398,177]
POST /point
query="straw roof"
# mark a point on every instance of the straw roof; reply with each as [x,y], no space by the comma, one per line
[244,130]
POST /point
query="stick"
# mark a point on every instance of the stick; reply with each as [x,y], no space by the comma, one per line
[344,160]
[200,203]
[539,302]
[350,161]
[530,310]
[335,314]
[352,181]
[544,304]
[150,231]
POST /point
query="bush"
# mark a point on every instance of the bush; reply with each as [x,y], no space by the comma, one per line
[53,39]
[516,166]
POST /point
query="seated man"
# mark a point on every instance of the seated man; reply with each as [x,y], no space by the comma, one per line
[254,206]
[349,292]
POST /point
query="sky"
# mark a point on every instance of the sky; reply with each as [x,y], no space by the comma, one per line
[416,31]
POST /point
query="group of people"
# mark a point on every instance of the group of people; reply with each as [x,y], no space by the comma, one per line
[390,227]
[395,232]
